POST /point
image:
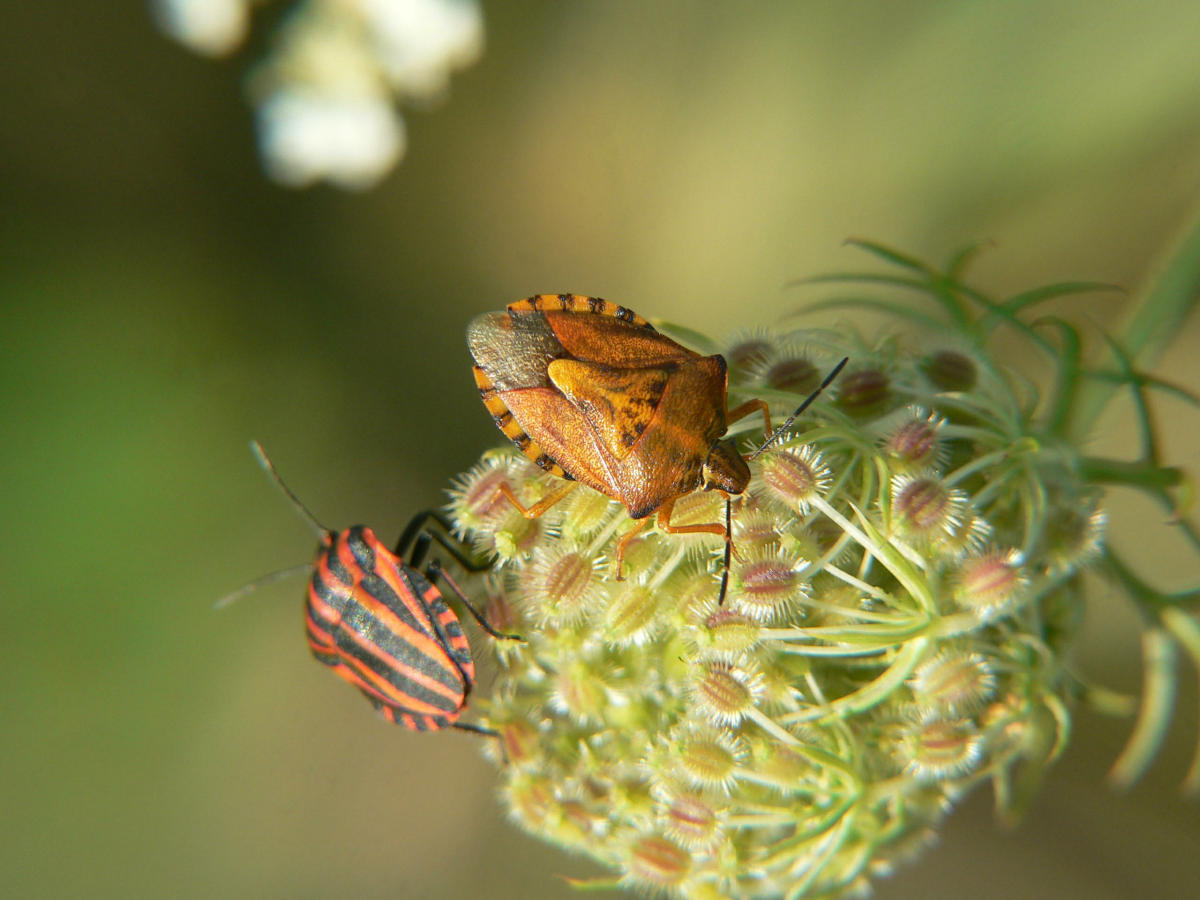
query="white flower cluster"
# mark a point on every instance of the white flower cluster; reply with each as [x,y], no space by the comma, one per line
[326,93]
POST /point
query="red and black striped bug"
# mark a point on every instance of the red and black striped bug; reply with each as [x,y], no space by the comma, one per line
[592,393]
[382,624]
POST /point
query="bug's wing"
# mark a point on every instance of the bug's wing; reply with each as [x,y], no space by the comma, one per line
[418,631]
[613,342]
[557,429]
[618,403]
[657,425]
[513,351]
[669,458]
[387,643]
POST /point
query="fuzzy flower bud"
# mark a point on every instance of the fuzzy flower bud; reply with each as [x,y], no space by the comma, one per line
[953,682]
[794,477]
[864,393]
[915,444]
[657,862]
[787,367]
[925,509]
[991,581]
[950,370]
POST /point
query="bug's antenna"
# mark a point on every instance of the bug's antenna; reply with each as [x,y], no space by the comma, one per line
[775,435]
[260,582]
[265,461]
[728,548]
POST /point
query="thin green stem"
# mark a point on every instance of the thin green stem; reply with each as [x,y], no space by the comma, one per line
[1141,475]
[1154,713]
[1151,325]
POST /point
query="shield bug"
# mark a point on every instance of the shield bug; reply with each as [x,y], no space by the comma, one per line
[382,624]
[592,393]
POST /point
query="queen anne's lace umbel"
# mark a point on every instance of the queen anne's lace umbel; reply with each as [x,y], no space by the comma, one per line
[907,578]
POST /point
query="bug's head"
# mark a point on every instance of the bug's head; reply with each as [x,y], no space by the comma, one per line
[725,469]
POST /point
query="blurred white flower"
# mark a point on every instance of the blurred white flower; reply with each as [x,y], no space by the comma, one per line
[305,136]
[211,27]
[420,42]
[326,90]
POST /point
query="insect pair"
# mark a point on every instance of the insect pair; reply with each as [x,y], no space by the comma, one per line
[381,623]
[593,394]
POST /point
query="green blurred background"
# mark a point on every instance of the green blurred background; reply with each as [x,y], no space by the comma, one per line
[161,303]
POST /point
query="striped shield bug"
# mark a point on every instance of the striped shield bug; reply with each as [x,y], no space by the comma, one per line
[381,623]
[592,393]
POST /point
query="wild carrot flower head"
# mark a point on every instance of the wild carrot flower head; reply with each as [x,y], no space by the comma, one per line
[905,582]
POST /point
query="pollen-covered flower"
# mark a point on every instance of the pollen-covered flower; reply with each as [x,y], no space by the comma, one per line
[865,393]
[784,365]
[939,749]
[915,444]
[969,535]
[952,683]
[655,861]
[476,498]
[924,508]
[747,351]
[561,585]
[794,476]
[481,505]
[726,632]
[631,615]
[950,370]
[724,693]
[691,818]
[768,584]
[990,582]
[579,688]
[1075,535]
[705,757]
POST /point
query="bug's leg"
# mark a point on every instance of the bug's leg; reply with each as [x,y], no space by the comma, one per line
[412,534]
[461,553]
[624,542]
[417,536]
[725,531]
[750,406]
[538,509]
[420,549]
[664,523]
[484,732]
[435,571]
[475,729]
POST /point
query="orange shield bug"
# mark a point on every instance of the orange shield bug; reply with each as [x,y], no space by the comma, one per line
[592,393]
[382,624]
